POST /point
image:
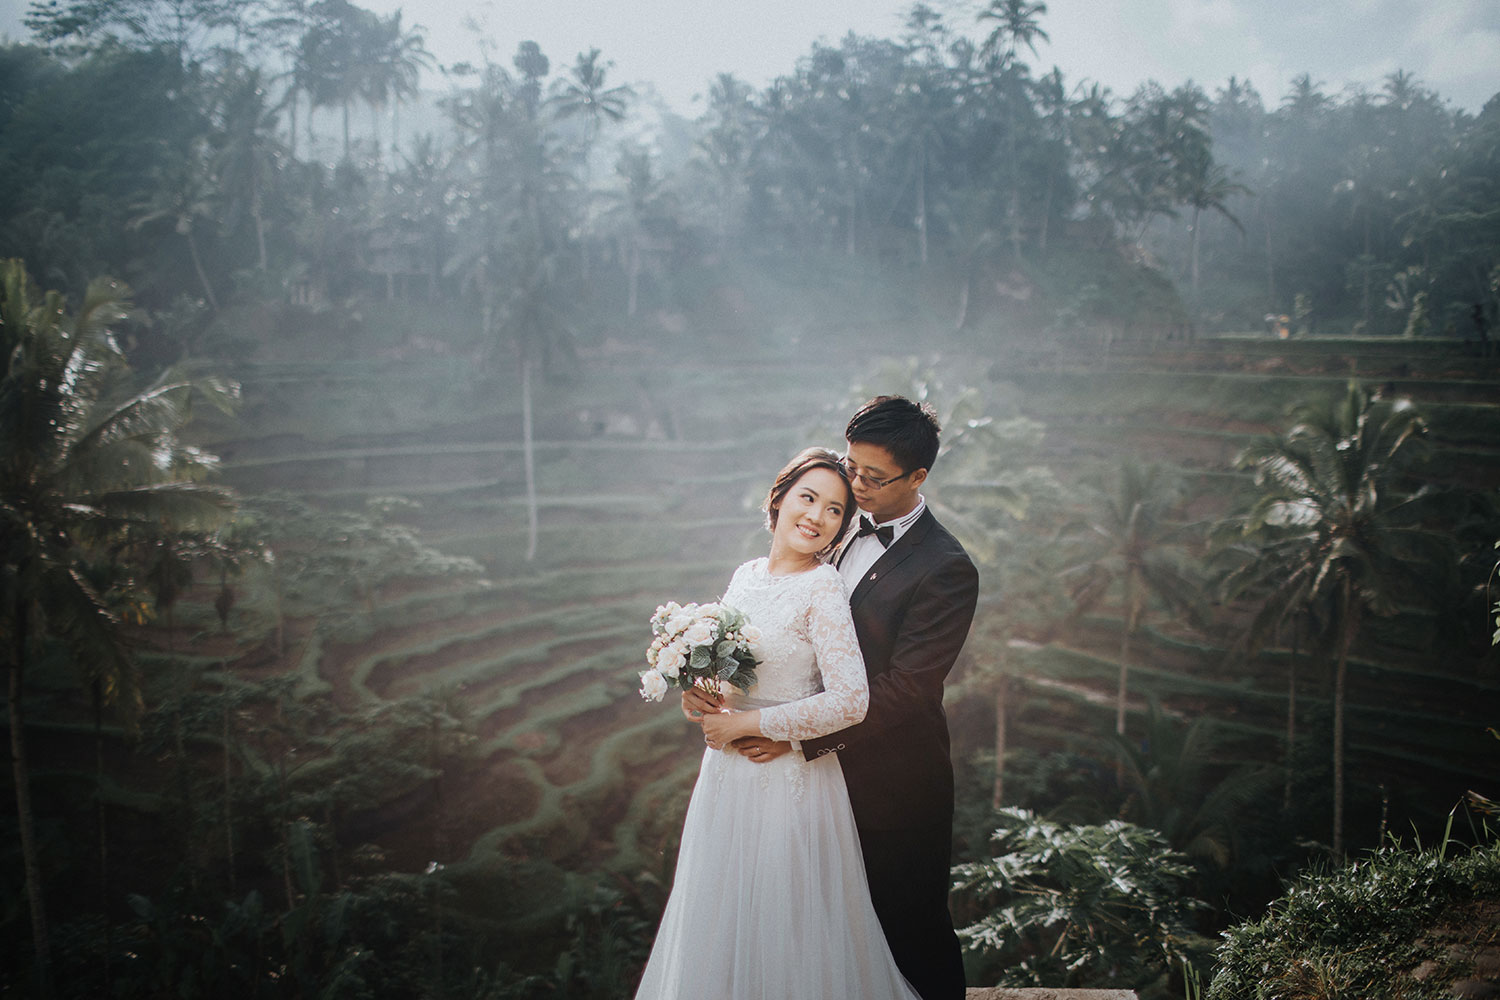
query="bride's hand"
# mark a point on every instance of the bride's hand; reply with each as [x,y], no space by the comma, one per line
[696,703]
[723,728]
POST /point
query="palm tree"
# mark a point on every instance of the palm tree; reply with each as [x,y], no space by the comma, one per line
[726,144]
[1054,105]
[638,207]
[1336,526]
[1020,609]
[397,58]
[423,188]
[1206,185]
[82,464]
[1166,136]
[246,154]
[1176,783]
[923,119]
[337,58]
[484,120]
[284,30]
[584,95]
[1305,100]
[1133,540]
[183,195]
[967,215]
[513,246]
[1018,25]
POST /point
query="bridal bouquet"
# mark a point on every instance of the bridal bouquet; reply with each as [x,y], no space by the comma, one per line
[706,644]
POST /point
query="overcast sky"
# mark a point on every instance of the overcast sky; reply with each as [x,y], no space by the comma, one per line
[1452,46]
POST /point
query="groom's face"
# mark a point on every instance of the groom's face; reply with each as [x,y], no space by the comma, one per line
[871,464]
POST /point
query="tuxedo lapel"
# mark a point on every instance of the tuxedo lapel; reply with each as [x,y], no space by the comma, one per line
[893,557]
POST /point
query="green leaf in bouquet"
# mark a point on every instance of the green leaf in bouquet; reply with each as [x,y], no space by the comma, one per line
[725,666]
[724,648]
[699,659]
[744,678]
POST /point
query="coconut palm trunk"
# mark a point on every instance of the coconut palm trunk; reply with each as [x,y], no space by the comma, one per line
[224,735]
[21,772]
[1193,255]
[528,451]
[1002,707]
[1291,715]
[96,694]
[922,203]
[1348,626]
[292,126]
[1134,598]
[257,212]
[1270,264]
[208,288]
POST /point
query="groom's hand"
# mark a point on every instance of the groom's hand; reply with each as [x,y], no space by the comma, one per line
[760,749]
[696,703]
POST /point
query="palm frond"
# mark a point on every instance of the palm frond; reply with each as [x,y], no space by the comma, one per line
[188,506]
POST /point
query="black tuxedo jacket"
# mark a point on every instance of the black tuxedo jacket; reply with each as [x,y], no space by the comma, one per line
[912,611]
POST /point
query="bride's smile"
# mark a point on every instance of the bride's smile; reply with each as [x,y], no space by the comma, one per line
[808,520]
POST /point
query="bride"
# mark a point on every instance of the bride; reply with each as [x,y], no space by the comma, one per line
[769,901]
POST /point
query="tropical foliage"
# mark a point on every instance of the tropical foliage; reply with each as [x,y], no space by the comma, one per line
[1400,922]
[1075,906]
[95,476]
[940,153]
[1341,529]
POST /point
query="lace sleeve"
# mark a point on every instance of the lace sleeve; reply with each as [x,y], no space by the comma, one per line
[846,690]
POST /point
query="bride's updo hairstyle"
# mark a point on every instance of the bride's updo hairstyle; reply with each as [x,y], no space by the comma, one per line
[807,460]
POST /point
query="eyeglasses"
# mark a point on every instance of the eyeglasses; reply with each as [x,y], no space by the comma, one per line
[870,481]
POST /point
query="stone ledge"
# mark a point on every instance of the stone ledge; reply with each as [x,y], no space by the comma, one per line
[1032,993]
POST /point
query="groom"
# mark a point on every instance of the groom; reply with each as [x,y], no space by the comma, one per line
[912,593]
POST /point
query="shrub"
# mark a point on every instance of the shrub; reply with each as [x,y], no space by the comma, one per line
[1067,906]
[1400,924]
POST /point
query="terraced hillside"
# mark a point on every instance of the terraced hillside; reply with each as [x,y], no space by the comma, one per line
[647,488]
[640,502]
[1418,713]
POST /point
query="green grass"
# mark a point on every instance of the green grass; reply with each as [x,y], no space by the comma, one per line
[1362,930]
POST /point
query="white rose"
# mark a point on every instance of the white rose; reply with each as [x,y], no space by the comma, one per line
[751,635]
[700,634]
[714,611]
[653,686]
[671,660]
[677,623]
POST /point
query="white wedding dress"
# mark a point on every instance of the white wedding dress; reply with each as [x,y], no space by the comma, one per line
[770,900]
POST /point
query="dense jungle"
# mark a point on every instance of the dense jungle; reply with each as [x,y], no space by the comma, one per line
[358,412]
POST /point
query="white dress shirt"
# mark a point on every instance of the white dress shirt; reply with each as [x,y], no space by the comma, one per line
[861,553]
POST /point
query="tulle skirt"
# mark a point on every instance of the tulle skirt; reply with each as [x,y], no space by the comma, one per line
[770,900]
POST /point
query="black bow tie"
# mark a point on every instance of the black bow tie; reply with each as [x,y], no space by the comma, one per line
[886,533]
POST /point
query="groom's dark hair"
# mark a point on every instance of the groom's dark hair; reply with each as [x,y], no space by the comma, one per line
[908,430]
